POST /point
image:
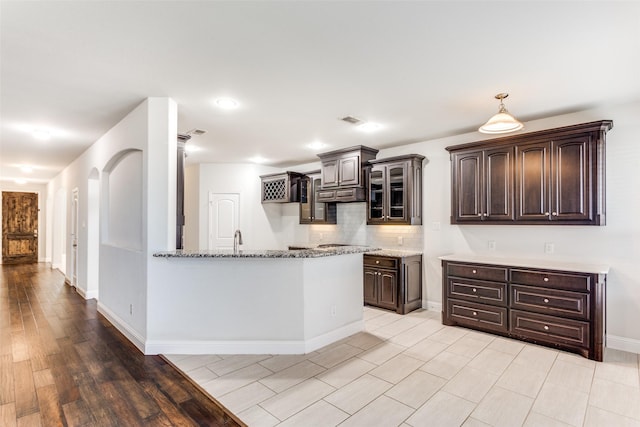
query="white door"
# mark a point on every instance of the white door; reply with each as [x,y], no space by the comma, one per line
[224,219]
[74,237]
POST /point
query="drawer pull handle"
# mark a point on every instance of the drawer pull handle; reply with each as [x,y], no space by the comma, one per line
[474,271]
[546,279]
[377,262]
[546,328]
[546,300]
[474,290]
[479,214]
[475,313]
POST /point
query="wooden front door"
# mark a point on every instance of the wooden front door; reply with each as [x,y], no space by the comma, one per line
[19,227]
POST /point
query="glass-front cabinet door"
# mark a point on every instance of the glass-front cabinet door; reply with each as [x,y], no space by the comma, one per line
[397,192]
[387,194]
[376,194]
[319,208]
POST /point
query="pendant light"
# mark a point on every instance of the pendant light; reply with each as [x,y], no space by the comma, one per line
[503,122]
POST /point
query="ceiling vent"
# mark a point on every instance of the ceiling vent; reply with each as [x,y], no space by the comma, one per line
[196,132]
[351,119]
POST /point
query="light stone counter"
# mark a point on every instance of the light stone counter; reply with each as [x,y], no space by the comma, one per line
[580,267]
[308,252]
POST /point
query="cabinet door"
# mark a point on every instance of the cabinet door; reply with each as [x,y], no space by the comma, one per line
[498,184]
[319,208]
[570,190]
[306,201]
[370,287]
[376,203]
[330,173]
[388,289]
[532,181]
[467,187]
[349,171]
[397,193]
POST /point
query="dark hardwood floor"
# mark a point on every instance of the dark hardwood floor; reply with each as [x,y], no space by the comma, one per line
[64,364]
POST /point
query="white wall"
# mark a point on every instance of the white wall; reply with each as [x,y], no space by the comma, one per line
[260,224]
[41,190]
[138,154]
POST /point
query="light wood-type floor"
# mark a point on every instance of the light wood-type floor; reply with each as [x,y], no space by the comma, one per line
[63,364]
[413,371]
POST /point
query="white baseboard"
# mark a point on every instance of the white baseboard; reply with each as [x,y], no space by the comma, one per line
[252,347]
[432,306]
[622,343]
[87,294]
[132,335]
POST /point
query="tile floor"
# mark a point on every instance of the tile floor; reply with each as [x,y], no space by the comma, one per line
[413,371]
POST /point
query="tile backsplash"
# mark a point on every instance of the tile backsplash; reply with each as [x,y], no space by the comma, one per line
[352,229]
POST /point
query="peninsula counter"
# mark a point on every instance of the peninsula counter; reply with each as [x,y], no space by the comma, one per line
[254,302]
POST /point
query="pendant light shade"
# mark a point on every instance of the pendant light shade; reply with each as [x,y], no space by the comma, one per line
[503,122]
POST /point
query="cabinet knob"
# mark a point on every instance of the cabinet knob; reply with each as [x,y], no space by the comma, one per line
[474,271]
[546,279]
[479,214]
[475,313]
[485,214]
[546,328]
[554,213]
[546,300]
[546,213]
[377,262]
[474,290]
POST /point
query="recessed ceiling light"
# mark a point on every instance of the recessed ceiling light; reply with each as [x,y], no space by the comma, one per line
[26,169]
[317,145]
[41,134]
[20,181]
[369,127]
[258,159]
[227,103]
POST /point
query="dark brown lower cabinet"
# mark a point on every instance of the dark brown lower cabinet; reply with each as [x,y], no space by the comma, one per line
[393,283]
[561,309]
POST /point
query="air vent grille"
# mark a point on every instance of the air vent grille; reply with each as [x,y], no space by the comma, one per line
[351,119]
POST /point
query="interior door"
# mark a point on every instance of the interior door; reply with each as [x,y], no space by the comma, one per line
[224,219]
[19,227]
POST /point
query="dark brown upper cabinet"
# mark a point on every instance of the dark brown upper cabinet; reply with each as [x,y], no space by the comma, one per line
[395,190]
[311,210]
[554,176]
[485,185]
[343,174]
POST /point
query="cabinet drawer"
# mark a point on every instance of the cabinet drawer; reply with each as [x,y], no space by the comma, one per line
[496,274]
[573,282]
[380,261]
[475,290]
[477,315]
[550,301]
[550,329]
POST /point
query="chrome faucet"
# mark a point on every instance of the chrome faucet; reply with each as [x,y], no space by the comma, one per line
[237,241]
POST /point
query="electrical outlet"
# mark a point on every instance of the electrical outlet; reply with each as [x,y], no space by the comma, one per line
[321,237]
[491,244]
[333,310]
[400,240]
[435,225]
[549,247]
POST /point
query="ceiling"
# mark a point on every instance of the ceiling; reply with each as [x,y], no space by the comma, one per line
[422,69]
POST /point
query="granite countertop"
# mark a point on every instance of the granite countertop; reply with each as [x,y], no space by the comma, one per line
[578,267]
[395,252]
[310,252]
